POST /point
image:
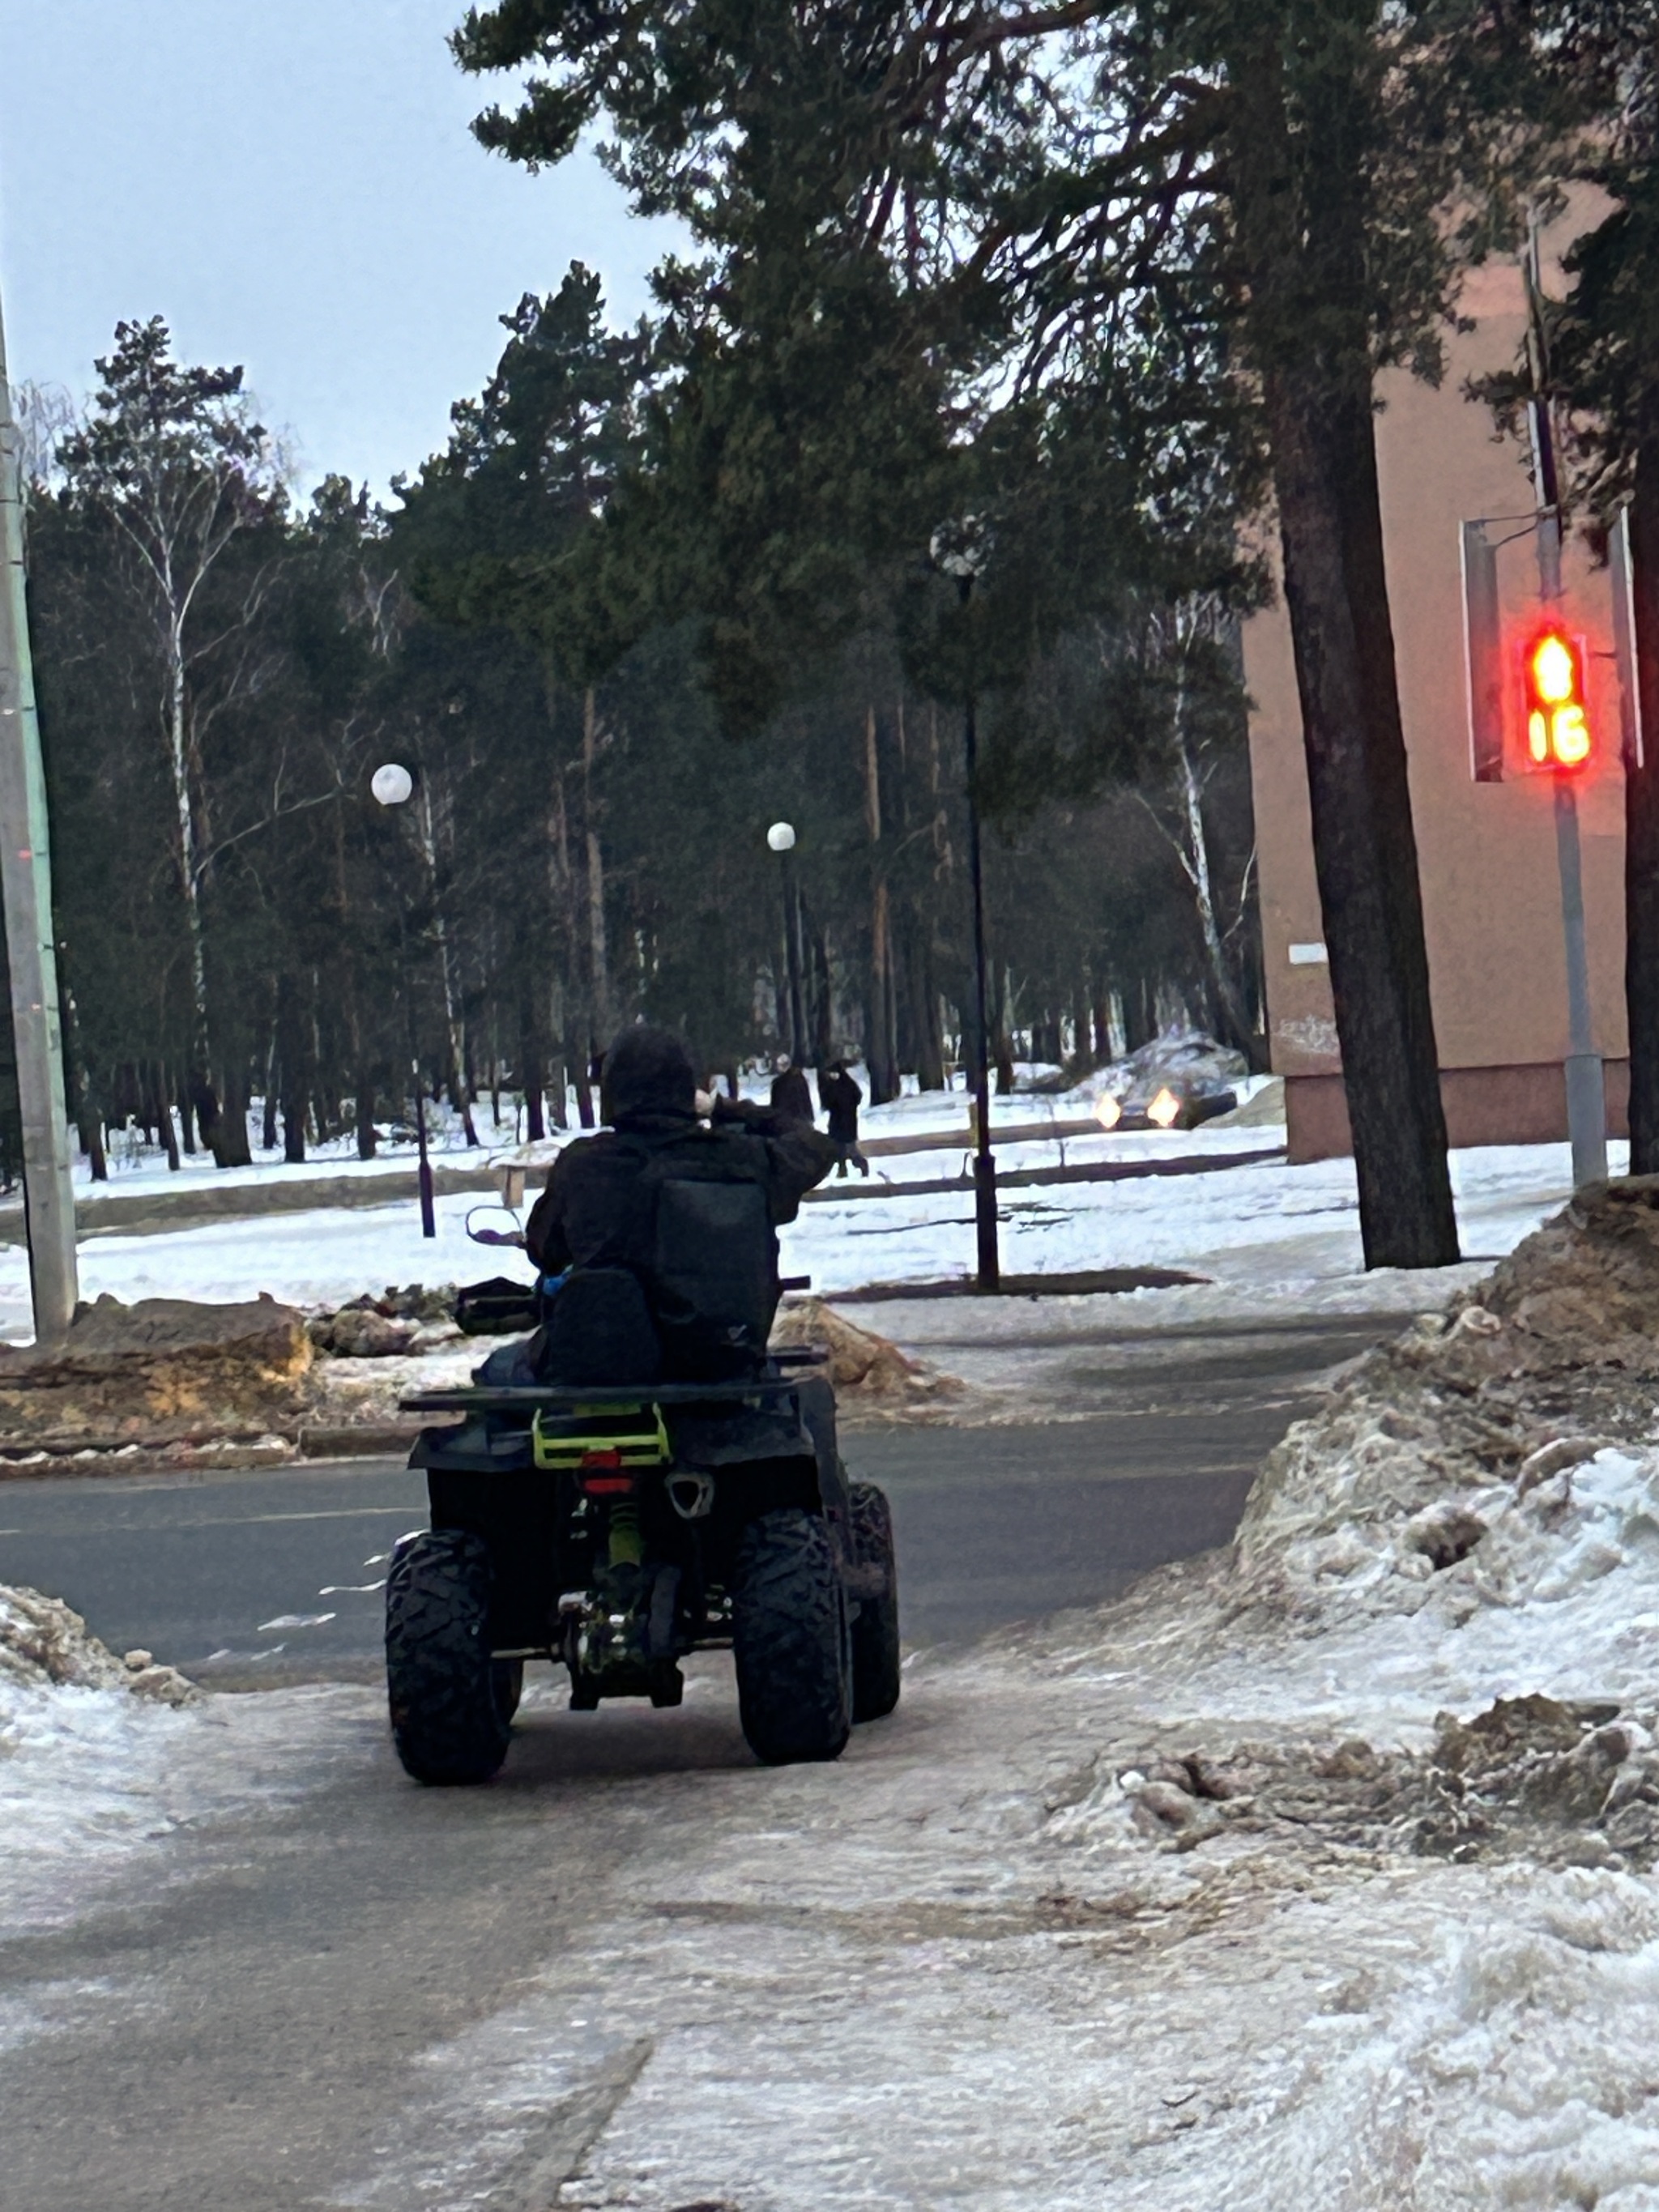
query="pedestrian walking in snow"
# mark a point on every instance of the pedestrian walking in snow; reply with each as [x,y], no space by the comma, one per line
[790,1095]
[841,1097]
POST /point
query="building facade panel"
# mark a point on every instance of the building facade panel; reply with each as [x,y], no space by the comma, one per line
[1486,851]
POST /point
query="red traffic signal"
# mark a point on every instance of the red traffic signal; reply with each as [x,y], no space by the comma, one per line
[1558,721]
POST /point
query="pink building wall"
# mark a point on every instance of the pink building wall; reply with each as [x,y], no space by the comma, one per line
[1486,851]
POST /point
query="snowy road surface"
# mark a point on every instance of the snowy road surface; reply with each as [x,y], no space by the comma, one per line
[259,1969]
[197,1568]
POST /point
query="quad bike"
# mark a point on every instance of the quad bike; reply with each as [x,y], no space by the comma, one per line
[616,1528]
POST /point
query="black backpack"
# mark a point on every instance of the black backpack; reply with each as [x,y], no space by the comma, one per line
[712,1281]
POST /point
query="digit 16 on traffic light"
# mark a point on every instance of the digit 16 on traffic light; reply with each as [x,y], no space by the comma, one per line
[1557,721]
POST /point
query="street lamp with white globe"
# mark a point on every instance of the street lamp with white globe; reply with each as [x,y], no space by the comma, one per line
[392,785]
[781,837]
[959,550]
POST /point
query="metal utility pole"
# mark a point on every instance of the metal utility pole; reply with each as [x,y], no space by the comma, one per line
[26,887]
[1586,1080]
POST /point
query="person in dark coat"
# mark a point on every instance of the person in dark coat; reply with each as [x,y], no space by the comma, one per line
[841,1097]
[599,1209]
[790,1095]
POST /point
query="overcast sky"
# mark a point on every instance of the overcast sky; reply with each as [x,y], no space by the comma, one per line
[292,184]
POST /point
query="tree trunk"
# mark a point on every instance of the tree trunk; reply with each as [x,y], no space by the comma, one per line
[598,953]
[924,1048]
[880,1056]
[292,1059]
[1139,1013]
[572,1029]
[455,1015]
[1193,848]
[187,1115]
[880,1041]
[268,1131]
[177,717]
[204,1102]
[1082,1049]
[362,1111]
[820,992]
[1317,385]
[228,1140]
[89,1127]
[531,1072]
[163,1112]
[1641,814]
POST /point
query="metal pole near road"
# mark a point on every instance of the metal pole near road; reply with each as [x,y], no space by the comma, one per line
[781,837]
[392,785]
[1584,1074]
[958,551]
[26,887]
[989,1261]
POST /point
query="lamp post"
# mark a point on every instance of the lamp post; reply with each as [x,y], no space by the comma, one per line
[958,552]
[393,785]
[782,838]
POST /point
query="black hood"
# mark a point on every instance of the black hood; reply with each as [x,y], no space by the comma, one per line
[647,1074]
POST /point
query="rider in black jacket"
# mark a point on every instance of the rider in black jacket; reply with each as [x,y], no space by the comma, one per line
[664,1231]
[592,1212]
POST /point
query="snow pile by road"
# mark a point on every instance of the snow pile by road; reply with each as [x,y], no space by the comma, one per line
[104,1762]
[44,1644]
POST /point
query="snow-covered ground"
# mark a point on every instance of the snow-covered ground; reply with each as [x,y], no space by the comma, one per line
[1002,1957]
[136,1167]
[1268,1237]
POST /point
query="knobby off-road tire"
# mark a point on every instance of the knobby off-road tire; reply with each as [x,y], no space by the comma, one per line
[876,1680]
[790,1641]
[450,1707]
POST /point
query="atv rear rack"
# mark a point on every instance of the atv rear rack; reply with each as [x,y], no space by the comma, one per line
[531,1400]
[547,1398]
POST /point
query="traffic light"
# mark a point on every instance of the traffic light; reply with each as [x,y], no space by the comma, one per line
[1558,723]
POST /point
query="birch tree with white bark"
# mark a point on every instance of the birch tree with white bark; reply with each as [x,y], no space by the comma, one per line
[174,460]
[1187,645]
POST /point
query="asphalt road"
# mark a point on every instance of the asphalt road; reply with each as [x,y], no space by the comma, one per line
[255,2023]
[246,1580]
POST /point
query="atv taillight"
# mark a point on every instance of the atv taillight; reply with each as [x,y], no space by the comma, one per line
[598,1480]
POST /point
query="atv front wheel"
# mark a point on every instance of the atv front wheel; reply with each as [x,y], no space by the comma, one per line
[789,1640]
[451,1704]
[876,1679]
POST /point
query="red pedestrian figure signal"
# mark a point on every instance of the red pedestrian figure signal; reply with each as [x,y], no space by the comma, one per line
[1558,724]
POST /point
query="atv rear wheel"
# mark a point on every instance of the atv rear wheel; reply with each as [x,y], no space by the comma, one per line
[876,1680]
[450,1711]
[789,1640]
